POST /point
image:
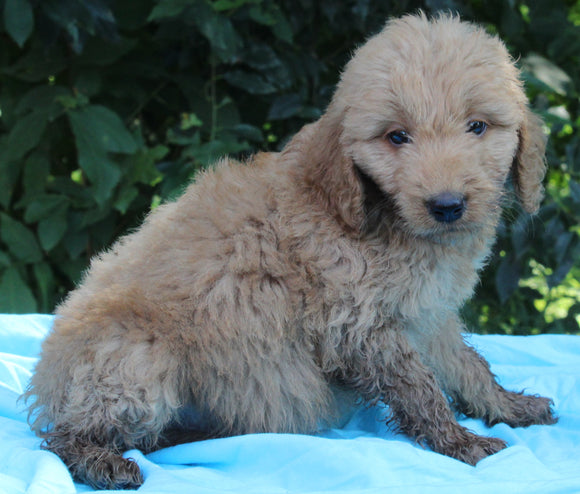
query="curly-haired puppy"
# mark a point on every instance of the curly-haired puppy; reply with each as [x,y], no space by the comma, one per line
[340,262]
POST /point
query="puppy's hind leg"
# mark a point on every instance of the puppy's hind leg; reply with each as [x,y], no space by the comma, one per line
[473,389]
[92,404]
[93,462]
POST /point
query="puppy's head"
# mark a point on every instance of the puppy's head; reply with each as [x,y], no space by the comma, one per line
[427,123]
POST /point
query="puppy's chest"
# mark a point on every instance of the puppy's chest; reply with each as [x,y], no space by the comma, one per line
[403,287]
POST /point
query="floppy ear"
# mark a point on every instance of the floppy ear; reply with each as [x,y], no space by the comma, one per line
[327,172]
[529,165]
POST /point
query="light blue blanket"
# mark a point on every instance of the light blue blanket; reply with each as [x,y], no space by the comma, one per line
[363,457]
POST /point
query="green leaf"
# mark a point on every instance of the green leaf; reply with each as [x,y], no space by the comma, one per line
[218,30]
[223,5]
[189,120]
[15,295]
[5,260]
[141,166]
[261,57]
[126,196]
[51,230]
[25,135]
[575,192]
[44,97]
[75,243]
[285,106]
[548,73]
[46,283]
[38,63]
[253,83]
[74,270]
[158,152]
[248,131]
[18,20]
[88,83]
[175,136]
[20,241]
[43,206]
[103,173]
[99,52]
[93,217]
[81,18]
[132,15]
[35,173]
[168,8]
[269,14]
[9,173]
[98,130]
[103,126]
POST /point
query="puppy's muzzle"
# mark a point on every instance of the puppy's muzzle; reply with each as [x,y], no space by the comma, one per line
[447,207]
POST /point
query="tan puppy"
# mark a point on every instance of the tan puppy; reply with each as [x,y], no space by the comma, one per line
[341,261]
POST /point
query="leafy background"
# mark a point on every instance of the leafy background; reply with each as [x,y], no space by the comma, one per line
[108,108]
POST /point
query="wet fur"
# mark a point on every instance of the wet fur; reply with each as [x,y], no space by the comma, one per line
[240,306]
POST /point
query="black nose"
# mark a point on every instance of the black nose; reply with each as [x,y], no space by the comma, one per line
[446,207]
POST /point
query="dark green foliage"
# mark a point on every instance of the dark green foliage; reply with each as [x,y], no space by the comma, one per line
[110,106]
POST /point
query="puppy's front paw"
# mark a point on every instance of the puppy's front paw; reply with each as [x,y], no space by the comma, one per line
[525,410]
[471,448]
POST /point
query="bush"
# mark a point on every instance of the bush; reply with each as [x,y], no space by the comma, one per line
[108,108]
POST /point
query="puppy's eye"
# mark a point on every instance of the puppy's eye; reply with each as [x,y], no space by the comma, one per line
[478,127]
[398,137]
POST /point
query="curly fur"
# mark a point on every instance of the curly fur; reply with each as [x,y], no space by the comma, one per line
[239,307]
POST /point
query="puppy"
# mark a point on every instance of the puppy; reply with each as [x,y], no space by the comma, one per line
[340,262]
